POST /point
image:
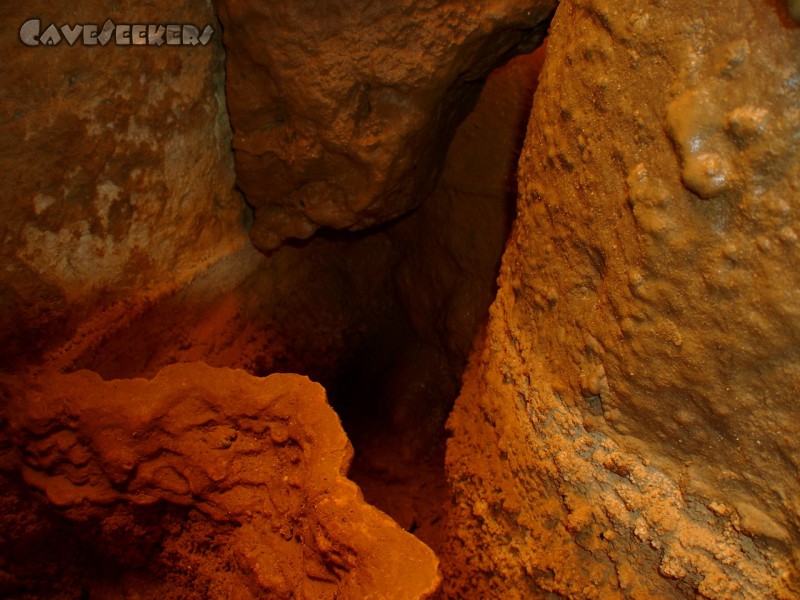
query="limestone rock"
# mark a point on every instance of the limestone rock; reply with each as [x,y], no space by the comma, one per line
[264,461]
[342,114]
[638,382]
[118,175]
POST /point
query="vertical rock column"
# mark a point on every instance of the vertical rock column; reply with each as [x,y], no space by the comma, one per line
[629,427]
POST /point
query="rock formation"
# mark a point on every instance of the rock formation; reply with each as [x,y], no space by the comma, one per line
[342,115]
[118,175]
[263,461]
[123,233]
[628,428]
[625,427]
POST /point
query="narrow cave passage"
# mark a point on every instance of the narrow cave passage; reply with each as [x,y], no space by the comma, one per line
[396,390]
[384,320]
[176,374]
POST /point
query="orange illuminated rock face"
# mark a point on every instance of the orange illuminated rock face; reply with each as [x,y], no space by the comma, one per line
[342,116]
[629,426]
[261,461]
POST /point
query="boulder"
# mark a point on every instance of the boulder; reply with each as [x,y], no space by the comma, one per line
[342,113]
[258,464]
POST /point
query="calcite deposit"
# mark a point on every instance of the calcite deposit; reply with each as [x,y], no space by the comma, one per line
[262,461]
[628,429]
[342,115]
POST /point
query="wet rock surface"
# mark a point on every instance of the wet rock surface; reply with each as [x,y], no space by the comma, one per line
[342,116]
[637,384]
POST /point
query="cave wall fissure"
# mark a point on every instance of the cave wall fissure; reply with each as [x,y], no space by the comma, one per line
[307,308]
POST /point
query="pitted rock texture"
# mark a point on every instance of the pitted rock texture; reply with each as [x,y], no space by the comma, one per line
[118,174]
[262,461]
[342,114]
[628,429]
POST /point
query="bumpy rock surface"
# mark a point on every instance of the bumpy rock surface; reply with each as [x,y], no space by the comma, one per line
[629,428]
[447,256]
[118,176]
[262,460]
[342,115]
[385,321]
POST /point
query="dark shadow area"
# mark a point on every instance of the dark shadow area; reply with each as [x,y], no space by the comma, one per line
[49,554]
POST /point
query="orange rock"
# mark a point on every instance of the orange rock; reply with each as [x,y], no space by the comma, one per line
[640,368]
[262,461]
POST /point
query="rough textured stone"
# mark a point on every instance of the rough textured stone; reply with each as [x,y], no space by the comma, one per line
[342,115]
[119,194]
[451,247]
[386,321]
[118,176]
[264,460]
[431,273]
[628,429]
[625,429]
[446,259]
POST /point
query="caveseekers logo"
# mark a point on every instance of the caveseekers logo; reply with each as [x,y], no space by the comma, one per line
[31,34]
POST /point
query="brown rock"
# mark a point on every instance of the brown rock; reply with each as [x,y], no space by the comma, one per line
[263,461]
[385,321]
[118,176]
[342,115]
[628,428]
[452,245]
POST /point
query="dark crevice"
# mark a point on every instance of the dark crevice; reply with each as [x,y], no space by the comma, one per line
[396,390]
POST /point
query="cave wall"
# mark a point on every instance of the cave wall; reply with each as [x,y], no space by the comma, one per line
[628,427]
[118,181]
[125,252]
[142,265]
[397,394]
[625,425]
